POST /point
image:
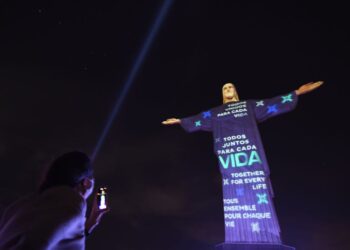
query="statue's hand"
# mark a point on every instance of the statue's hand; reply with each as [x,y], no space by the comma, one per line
[308,87]
[171,121]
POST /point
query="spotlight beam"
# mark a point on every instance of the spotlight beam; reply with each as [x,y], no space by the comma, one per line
[133,73]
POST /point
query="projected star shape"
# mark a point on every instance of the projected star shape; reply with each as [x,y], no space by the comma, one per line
[198,123]
[239,191]
[255,227]
[272,109]
[262,198]
[206,114]
[287,98]
[260,103]
[226,182]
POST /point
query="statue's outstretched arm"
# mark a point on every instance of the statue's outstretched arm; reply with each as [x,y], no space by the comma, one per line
[308,87]
[171,121]
[199,122]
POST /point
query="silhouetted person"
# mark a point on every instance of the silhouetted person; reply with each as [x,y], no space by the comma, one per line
[53,218]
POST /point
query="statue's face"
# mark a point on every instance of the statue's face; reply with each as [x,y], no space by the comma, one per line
[229,93]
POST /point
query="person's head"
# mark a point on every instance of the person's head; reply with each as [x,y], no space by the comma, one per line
[73,169]
[229,93]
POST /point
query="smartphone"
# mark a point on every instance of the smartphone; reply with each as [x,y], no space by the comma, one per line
[102,198]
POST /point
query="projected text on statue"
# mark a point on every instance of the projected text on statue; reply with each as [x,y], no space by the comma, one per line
[247,193]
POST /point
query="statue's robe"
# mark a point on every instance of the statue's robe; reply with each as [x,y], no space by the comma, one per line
[247,193]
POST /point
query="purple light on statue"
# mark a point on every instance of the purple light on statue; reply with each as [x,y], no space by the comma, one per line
[249,212]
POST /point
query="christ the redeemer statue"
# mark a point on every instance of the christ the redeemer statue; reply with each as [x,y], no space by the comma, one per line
[247,193]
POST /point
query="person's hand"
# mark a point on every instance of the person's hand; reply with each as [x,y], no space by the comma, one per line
[95,216]
[308,87]
[171,121]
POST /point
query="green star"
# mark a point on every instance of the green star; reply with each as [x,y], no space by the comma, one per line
[287,98]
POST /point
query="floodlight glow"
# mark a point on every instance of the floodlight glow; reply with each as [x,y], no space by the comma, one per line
[133,73]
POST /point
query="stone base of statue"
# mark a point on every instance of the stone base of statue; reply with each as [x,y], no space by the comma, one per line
[252,246]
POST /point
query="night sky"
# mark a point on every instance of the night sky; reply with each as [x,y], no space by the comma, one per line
[62,64]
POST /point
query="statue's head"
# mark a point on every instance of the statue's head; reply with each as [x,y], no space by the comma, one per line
[229,93]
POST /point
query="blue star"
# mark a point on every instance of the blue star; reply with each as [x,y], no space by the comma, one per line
[239,191]
[206,114]
[217,140]
[260,103]
[272,109]
[262,198]
[287,98]
[198,123]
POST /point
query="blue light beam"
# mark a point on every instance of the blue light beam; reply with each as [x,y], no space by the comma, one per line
[133,73]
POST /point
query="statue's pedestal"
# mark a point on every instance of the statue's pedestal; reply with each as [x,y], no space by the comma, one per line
[252,246]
